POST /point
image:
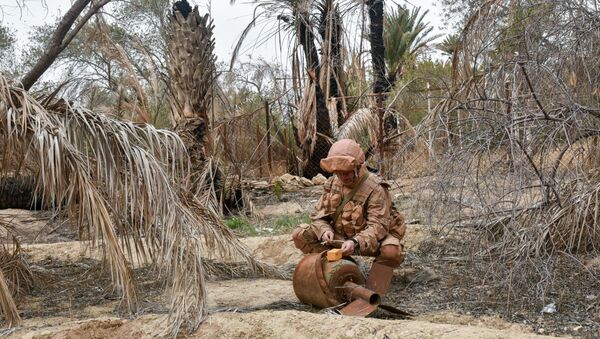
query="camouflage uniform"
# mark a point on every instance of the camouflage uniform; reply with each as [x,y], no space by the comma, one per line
[369,217]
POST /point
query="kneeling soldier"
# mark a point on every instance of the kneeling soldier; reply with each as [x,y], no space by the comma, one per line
[355,210]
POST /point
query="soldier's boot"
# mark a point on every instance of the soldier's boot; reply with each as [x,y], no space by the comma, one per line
[382,270]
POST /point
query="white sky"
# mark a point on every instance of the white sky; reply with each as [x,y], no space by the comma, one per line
[230,21]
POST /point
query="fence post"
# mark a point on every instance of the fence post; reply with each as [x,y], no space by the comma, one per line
[268,120]
[258,142]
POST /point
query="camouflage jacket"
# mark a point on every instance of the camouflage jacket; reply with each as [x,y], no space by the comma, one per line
[368,217]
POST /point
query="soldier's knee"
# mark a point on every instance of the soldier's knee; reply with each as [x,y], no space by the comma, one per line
[299,238]
[392,255]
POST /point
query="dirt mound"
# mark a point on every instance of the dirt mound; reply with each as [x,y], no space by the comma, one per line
[276,250]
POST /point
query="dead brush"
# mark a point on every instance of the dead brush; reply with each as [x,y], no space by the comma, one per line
[518,165]
[16,269]
[16,278]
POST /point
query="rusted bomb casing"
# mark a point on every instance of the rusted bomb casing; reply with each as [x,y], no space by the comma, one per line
[355,291]
[325,284]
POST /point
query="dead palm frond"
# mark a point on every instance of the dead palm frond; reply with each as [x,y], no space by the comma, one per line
[130,79]
[307,130]
[7,304]
[15,278]
[15,268]
[362,122]
[119,179]
[575,226]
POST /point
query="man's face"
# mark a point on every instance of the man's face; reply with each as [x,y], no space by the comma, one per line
[347,177]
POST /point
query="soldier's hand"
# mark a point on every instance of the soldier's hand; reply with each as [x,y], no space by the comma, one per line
[348,247]
[327,237]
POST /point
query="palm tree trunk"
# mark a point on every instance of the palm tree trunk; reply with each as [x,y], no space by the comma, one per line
[192,72]
[330,29]
[381,85]
[377,47]
[307,40]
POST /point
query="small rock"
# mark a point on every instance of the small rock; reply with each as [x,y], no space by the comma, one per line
[305,182]
[577,328]
[257,184]
[319,179]
[590,297]
[550,308]
[415,276]
[287,177]
[541,331]
[401,196]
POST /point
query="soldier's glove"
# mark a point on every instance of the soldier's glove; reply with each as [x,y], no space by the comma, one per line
[356,245]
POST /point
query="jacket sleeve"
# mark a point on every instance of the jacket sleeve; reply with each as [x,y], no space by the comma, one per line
[377,220]
[321,216]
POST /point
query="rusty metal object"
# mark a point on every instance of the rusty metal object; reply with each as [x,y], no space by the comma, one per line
[324,284]
[307,286]
[364,301]
[355,291]
[321,283]
[358,308]
[380,278]
[327,284]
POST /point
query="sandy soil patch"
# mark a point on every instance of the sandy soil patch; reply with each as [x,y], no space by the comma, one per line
[270,324]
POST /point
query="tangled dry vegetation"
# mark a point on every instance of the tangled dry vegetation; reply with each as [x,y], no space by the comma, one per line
[125,185]
[514,147]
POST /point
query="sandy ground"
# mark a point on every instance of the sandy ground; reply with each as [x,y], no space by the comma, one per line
[230,298]
[267,324]
[240,308]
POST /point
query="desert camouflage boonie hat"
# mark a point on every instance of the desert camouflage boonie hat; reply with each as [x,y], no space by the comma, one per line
[344,155]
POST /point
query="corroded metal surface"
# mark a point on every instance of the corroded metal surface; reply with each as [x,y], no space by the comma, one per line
[307,284]
[358,308]
[325,284]
[360,292]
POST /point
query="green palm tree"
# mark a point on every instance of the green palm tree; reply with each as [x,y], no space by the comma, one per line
[450,44]
[405,36]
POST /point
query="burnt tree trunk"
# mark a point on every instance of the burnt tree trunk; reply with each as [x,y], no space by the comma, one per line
[307,40]
[330,29]
[377,47]
[381,84]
